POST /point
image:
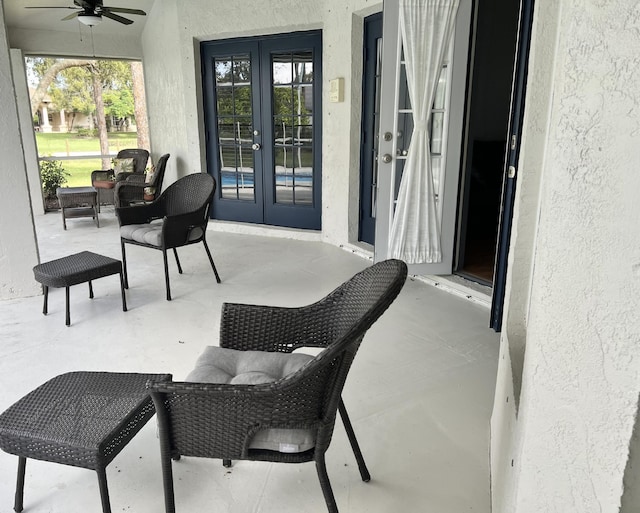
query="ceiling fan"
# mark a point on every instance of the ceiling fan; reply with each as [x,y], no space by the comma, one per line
[90,12]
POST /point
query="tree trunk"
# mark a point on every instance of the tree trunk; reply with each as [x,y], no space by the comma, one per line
[48,77]
[140,105]
[100,118]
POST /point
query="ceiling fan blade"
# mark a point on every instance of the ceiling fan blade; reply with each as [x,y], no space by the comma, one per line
[71,16]
[48,7]
[117,18]
[124,10]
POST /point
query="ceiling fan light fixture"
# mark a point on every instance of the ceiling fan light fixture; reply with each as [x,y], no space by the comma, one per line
[90,20]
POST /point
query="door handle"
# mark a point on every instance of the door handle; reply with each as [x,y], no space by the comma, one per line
[256,146]
[386,158]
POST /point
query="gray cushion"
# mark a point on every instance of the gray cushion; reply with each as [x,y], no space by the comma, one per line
[148,233]
[222,365]
[151,233]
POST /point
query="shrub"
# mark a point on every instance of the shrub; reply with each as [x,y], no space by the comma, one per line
[87,132]
[53,176]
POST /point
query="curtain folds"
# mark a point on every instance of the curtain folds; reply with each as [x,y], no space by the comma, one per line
[426,27]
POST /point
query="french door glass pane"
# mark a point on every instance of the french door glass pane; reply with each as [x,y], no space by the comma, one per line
[234,115]
[292,79]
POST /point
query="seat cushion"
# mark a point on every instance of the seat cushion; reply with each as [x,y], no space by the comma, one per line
[104,184]
[147,233]
[222,365]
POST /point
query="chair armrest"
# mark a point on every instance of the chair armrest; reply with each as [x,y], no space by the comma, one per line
[102,175]
[177,228]
[139,214]
[265,328]
[240,411]
[136,179]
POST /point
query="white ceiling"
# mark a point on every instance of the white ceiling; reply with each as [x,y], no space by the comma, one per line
[16,16]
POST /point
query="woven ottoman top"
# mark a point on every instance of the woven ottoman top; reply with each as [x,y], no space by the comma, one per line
[80,418]
[74,269]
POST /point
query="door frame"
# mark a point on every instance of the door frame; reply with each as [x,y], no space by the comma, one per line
[518,95]
[264,209]
[368,157]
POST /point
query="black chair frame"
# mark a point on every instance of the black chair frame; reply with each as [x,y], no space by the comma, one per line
[183,207]
[219,420]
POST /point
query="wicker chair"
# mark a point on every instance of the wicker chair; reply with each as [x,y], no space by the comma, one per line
[134,189]
[104,180]
[212,420]
[178,217]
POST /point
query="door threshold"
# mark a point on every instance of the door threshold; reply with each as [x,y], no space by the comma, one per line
[460,286]
[264,230]
[451,283]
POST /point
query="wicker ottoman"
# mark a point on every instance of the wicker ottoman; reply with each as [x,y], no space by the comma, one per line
[83,419]
[74,269]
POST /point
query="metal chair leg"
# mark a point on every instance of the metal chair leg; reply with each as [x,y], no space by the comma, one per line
[90,290]
[213,266]
[166,274]
[124,298]
[18,503]
[124,265]
[325,484]
[364,472]
[175,253]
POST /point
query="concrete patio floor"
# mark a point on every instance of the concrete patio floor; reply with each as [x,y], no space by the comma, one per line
[419,393]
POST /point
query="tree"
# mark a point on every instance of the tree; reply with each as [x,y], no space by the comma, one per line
[49,74]
[106,87]
[102,123]
[140,105]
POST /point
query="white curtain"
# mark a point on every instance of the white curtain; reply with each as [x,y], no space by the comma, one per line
[426,27]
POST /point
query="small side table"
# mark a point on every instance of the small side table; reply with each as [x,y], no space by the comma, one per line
[82,419]
[78,202]
[74,269]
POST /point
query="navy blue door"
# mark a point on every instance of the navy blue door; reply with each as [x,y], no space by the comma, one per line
[263,127]
[370,126]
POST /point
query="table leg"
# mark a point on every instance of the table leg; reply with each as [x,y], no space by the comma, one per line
[90,290]
[45,308]
[64,219]
[18,503]
[68,315]
[124,299]
[104,491]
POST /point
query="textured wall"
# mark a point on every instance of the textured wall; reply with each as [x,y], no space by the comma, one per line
[18,250]
[71,44]
[172,70]
[581,372]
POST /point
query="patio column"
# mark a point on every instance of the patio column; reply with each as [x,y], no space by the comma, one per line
[45,127]
[18,245]
[63,122]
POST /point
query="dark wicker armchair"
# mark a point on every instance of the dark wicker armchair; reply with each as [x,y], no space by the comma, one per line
[104,180]
[214,420]
[178,217]
[135,189]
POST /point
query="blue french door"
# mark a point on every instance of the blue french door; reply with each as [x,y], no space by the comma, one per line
[263,127]
[371,77]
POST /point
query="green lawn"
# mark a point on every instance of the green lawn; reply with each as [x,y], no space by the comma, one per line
[80,170]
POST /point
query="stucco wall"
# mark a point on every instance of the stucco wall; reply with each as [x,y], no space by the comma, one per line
[172,70]
[567,449]
[18,248]
[71,44]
